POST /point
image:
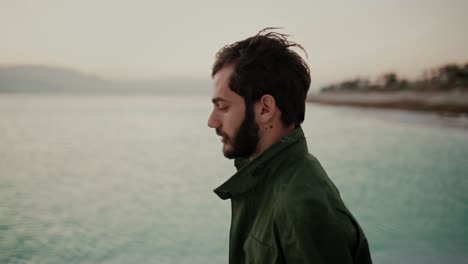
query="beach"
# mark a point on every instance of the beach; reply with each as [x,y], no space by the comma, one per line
[451,102]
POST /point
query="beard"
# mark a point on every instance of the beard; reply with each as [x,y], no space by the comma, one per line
[245,141]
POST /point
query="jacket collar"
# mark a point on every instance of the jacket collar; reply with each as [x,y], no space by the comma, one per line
[249,173]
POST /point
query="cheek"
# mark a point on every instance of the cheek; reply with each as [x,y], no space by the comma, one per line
[234,121]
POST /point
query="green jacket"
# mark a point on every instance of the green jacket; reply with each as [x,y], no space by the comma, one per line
[285,209]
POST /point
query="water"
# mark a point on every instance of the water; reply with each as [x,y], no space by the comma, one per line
[129,179]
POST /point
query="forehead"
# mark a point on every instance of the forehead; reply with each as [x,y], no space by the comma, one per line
[221,87]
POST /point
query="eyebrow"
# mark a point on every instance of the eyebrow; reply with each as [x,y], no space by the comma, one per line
[218,99]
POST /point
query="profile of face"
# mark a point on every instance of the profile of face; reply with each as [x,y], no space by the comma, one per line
[232,120]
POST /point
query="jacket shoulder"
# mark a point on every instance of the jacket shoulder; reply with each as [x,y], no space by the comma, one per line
[304,178]
[309,213]
[305,190]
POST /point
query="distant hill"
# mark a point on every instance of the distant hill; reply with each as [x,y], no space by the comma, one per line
[444,78]
[45,79]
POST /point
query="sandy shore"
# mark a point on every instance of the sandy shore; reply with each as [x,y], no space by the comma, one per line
[448,102]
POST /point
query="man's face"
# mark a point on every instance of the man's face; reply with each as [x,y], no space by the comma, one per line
[235,125]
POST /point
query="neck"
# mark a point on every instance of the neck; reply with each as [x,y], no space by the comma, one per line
[269,137]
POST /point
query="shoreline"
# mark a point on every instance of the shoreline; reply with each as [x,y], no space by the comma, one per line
[450,102]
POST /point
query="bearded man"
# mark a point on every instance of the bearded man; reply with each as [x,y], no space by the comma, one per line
[285,209]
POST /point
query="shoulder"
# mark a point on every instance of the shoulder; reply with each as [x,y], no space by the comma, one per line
[304,179]
[305,191]
[309,211]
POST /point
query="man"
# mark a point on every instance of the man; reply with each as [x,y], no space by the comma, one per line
[285,209]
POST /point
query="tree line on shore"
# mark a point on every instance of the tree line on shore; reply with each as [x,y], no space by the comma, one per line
[445,78]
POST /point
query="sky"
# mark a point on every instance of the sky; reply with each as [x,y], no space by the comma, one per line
[131,40]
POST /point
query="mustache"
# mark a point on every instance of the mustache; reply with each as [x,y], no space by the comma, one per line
[221,133]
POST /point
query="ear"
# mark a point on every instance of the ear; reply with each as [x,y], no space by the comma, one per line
[265,109]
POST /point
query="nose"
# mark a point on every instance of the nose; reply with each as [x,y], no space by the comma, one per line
[213,121]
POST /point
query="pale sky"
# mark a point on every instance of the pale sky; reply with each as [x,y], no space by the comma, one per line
[158,39]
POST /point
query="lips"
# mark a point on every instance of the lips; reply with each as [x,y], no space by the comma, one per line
[224,139]
[223,136]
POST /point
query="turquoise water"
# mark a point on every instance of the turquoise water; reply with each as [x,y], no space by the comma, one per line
[115,179]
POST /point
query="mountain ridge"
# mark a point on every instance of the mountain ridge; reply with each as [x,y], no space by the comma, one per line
[51,79]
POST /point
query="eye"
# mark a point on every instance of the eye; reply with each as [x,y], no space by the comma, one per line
[223,107]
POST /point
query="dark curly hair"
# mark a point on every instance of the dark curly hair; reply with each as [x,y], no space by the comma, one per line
[265,64]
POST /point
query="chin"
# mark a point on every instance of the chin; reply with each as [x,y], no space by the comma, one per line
[228,152]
